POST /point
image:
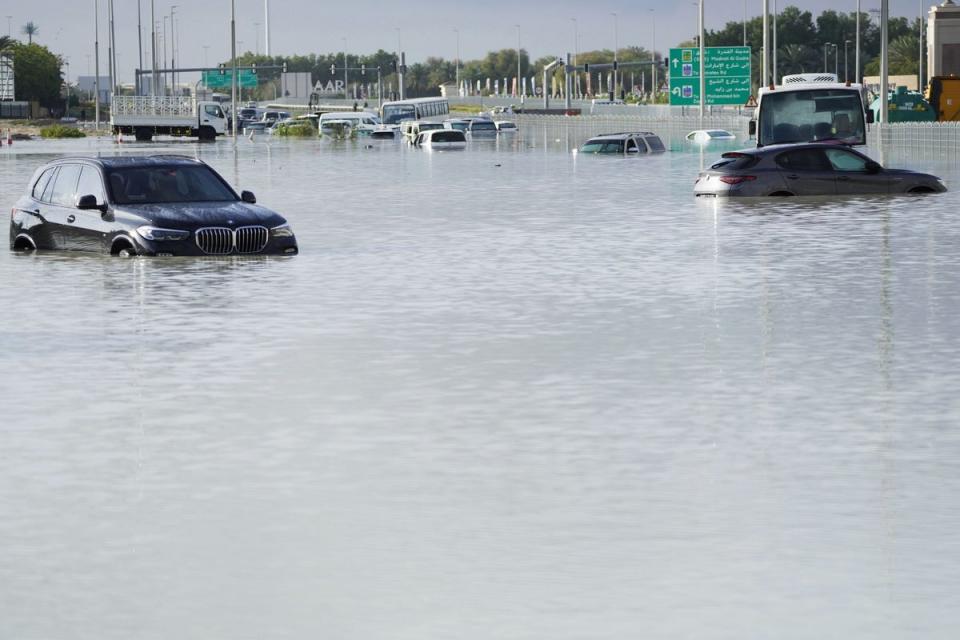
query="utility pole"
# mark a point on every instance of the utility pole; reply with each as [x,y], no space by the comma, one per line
[173,53]
[616,46]
[266,28]
[96,63]
[773,48]
[765,80]
[920,60]
[884,66]
[457,31]
[110,47]
[137,80]
[154,81]
[856,64]
[653,55]
[233,77]
[345,85]
[518,63]
[703,77]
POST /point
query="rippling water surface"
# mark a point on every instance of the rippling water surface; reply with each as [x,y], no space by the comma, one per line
[502,393]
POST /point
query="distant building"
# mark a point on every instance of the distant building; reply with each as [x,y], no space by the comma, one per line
[943,39]
[87,84]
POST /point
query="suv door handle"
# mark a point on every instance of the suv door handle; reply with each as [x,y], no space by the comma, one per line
[71,218]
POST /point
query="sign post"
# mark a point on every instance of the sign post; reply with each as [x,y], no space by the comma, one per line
[727,71]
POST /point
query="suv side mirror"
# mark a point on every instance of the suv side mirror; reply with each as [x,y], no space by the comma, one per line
[89,202]
[248,197]
[752,128]
[870,116]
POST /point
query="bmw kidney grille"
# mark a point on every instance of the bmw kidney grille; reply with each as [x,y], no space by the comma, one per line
[220,241]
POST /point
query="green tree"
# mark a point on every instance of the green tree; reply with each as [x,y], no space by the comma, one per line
[30,29]
[36,74]
[6,43]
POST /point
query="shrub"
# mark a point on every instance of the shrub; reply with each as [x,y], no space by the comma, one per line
[295,130]
[61,131]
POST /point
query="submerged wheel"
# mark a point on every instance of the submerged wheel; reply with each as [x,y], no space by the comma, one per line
[781,194]
[919,190]
[143,135]
[127,252]
[207,134]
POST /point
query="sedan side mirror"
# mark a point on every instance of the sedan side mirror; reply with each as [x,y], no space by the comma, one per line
[752,128]
[248,197]
[89,202]
[874,167]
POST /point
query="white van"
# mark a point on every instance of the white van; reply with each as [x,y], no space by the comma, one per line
[362,122]
[412,128]
[441,139]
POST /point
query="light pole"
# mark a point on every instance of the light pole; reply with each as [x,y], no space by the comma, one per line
[703,77]
[773,45]
[518,64]
[856,63]
[256,41]
[457,62]
[615,47]
[173,52]
[576,53]
[653,55]
[826,48]
[920,59]
[164,52]
[233,75]
[836,59]
[266,27]
[153,51]
[744,22]
[345,84]
[764,81]
[96,63]
[846,73]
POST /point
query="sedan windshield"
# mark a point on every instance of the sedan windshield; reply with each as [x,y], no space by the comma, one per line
[150,185]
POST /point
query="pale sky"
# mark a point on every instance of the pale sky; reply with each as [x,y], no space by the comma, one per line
[425,27]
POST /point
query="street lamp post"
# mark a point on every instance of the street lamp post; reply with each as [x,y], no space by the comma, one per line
[576,52]
[96,64]
[846,73]
[616,46]
[345,82]
[920,59]
[826,48]
[164,58]
[836,59]
[856,57]
[173,52]
[519,94]
[154,83]
[256,41]
[457,62]
[653,56]
[233,64]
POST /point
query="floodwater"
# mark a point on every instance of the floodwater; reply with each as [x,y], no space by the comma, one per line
[502,393]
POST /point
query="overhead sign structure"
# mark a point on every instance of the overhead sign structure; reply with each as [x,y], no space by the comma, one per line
[6,77]
[246,79]
[727,71]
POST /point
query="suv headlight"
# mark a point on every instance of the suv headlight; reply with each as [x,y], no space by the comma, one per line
[159,235]
[282,231]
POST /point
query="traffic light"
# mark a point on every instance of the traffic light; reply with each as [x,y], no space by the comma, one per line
[223,69]
[363,69]
[284,67]
[333,69]
[253,68]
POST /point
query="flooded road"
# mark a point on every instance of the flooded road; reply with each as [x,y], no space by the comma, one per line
[508,392]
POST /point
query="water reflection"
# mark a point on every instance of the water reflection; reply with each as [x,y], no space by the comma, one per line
[556,388]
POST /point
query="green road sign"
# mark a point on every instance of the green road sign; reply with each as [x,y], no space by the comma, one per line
[215,80]
[727,70]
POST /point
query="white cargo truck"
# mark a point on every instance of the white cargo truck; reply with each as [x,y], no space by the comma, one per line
[148,116]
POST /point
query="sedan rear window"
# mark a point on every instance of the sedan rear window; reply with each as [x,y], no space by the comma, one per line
[149,185]
[736,161]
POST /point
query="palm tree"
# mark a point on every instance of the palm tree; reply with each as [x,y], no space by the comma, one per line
[6,42]
[30,29]
[796,58]
[904,55]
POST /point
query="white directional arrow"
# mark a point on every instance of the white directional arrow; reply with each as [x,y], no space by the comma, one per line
[676,91]
[675,62]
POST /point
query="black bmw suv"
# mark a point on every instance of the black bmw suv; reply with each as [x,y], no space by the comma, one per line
[148,205]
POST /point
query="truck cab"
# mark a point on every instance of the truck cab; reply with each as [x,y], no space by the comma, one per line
[810,107]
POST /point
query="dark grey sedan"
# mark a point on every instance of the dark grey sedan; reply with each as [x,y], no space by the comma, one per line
[816,169]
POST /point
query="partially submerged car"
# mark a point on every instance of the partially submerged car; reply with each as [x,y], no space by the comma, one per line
[441,139]
[506,126]
[812,169]
[143,205]
[625,143]
[709,135]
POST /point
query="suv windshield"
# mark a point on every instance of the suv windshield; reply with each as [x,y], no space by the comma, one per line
[149,185]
